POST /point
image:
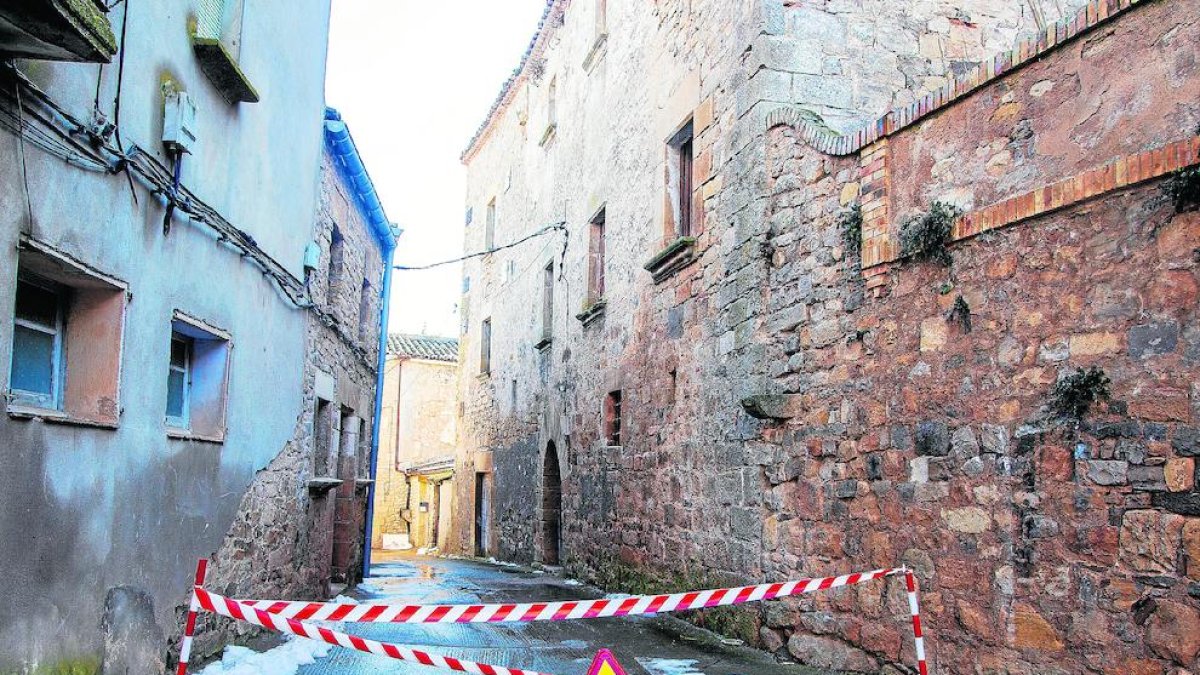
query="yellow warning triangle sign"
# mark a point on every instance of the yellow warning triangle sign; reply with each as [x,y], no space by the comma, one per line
[605,664]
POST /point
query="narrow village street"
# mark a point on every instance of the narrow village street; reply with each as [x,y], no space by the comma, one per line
[644,647]
[367,336]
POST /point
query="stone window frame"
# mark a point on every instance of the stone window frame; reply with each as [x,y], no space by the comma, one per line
[207,394]
[594,302]
[489,228]
[547,306]
[551,113]
[89,341]
[680,219]
[599,43]
[485,347]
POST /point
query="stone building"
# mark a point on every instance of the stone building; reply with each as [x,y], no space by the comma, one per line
[731,366]
[162,342]
[413,490]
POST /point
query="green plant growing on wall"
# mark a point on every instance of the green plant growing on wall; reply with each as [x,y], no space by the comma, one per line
[1074,395]
[960,313]
[926,237]
[850,225]
[1183,187]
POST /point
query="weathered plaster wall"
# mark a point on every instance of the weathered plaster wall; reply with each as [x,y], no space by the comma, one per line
[87,509]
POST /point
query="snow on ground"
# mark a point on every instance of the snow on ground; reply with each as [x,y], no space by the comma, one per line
[502,563]
[669,666]
[285,659]
[572,582]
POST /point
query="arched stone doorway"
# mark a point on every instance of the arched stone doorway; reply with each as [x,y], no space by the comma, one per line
[551,506]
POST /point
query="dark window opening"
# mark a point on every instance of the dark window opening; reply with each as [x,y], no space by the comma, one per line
[551,507]
[612,418]
[364,311]
[337,263]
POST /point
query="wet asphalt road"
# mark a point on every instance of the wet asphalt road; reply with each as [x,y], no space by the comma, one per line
[559,648]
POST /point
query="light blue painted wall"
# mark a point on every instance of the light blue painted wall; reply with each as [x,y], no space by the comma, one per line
[81,509]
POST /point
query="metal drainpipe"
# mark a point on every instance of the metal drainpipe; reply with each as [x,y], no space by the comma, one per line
[378,413]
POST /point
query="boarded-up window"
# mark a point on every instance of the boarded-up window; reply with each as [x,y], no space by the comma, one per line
[596,258]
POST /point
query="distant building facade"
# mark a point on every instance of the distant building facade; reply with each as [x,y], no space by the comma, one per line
[414,499]
[168,330]
[734,365]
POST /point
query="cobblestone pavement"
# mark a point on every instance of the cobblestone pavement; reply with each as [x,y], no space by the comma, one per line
[644,646]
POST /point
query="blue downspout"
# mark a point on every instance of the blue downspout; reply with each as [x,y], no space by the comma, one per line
[383,336]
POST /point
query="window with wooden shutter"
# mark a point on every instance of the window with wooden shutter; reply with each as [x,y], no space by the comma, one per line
[596,258]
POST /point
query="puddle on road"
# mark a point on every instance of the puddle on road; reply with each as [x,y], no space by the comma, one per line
[669,666]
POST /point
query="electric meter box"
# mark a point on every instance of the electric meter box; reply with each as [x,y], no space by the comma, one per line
[179,122]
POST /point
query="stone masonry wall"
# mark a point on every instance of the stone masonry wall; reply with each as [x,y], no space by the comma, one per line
[281,544]
[893,434]
[912,437]
[619,96]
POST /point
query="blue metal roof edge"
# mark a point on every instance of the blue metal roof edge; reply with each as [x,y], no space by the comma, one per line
[350,167]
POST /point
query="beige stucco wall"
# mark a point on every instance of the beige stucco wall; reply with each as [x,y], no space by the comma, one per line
[418,425]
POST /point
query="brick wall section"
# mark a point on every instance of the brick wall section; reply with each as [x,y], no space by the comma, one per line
[1044,548]
[281,544]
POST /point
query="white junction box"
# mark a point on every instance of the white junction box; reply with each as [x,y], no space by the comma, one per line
[179,122]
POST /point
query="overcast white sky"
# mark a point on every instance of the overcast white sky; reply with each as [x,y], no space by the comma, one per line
[414,79]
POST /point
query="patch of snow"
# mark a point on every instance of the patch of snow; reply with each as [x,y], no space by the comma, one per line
[502,563]
[669,666]
[617,596]
[285,659]
[572,582]
[344,600]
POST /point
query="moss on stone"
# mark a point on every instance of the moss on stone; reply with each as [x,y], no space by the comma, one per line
[80,665]
[85,15]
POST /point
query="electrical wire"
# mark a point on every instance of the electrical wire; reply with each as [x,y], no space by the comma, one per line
[561,226]
[24,168]
[117,98]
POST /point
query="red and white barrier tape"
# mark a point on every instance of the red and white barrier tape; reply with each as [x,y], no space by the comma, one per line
[242,612]
[557,611]
[915,608]
[189,629]
[291,617]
